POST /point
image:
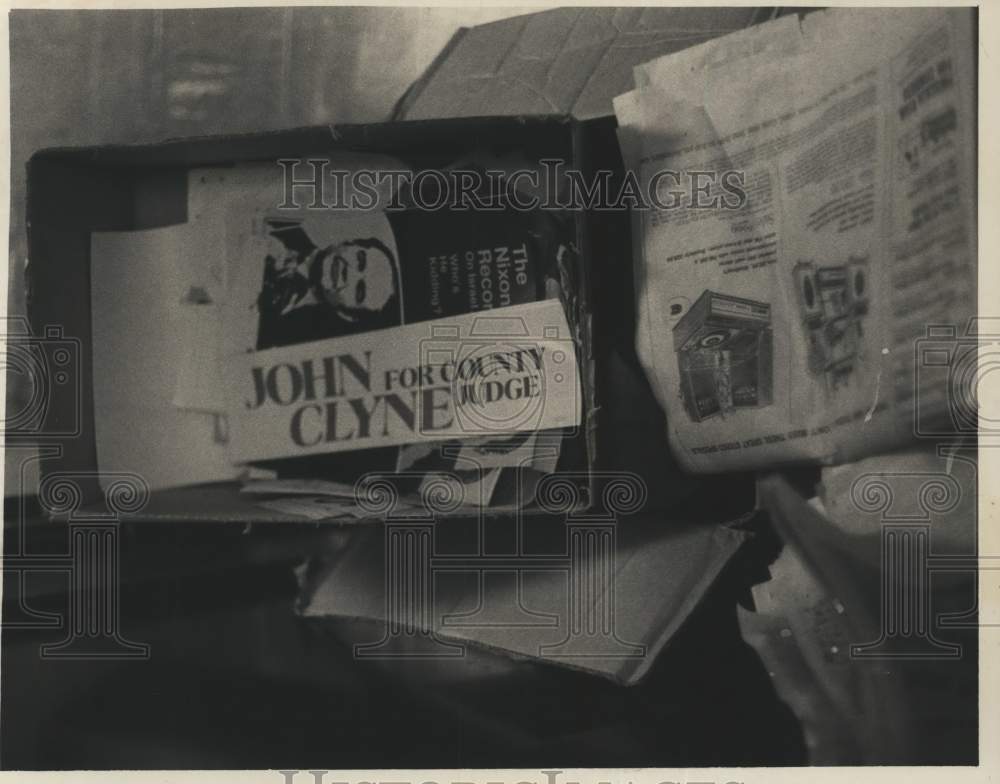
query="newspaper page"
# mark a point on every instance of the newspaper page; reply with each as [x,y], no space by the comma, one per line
[813,216]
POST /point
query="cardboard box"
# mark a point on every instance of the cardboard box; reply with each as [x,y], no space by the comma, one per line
[73,193]
[567,61]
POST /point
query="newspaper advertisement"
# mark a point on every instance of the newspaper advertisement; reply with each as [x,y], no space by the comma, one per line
[814,214]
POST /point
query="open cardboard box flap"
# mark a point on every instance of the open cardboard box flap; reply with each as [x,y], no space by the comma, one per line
[600,596]
[566,61]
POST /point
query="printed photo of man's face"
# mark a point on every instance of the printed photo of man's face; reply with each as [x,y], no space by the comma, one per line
[314,291]
[357,277]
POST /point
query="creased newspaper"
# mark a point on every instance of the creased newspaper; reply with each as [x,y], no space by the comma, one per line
[814,222]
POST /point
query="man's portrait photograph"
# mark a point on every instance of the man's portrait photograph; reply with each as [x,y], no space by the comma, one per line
[323,280]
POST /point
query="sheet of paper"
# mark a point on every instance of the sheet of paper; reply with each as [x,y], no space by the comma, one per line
[300,487]
[199,382]
[937,485]
[138,282]
[313,507]
[780,310]
[528,455]
[329,507]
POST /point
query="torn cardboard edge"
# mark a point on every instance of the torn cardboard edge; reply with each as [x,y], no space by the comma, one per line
[528,605]
[588,58]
